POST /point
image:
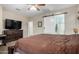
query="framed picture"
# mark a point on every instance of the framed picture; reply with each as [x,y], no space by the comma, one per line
[39,23]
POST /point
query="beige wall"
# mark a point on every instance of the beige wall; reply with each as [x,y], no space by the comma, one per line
[1,23]
[77,20]
[12,15]
[70,20]
[15,16]
[36,29]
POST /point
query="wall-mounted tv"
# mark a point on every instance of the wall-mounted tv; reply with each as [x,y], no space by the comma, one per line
[12,24]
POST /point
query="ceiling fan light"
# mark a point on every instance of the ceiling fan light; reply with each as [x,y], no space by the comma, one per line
[33,8]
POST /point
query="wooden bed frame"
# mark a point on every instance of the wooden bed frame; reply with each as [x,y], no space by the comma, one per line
[11,49]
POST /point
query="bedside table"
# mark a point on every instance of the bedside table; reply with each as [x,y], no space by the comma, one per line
[2,40]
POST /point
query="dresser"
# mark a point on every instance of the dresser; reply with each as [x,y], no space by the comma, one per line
[13,34]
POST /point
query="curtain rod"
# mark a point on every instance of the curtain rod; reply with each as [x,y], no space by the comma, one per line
[55,14]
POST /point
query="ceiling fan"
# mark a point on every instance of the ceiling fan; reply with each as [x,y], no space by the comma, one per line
[36,7]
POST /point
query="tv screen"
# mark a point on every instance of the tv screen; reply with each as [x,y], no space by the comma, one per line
[17,25]
[12,24]
[8,24]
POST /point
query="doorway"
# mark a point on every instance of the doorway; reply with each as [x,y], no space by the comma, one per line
[30,28]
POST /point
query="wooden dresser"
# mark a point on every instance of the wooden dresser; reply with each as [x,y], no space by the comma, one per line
[12,34]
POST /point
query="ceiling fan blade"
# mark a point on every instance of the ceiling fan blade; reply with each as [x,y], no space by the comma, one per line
[41,4]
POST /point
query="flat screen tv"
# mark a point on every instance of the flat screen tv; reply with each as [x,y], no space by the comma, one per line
[12,24]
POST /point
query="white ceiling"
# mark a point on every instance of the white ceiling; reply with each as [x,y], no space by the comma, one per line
[24,8]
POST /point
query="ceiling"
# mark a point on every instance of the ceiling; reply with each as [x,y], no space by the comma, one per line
[23,8]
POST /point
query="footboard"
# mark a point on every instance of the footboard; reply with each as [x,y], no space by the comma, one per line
[11,49]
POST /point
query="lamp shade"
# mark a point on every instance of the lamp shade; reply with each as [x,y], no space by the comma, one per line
[75,30]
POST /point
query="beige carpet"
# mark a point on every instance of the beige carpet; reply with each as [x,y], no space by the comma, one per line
[4,49]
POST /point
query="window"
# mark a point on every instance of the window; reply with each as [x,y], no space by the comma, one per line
[54,24]
[60,25]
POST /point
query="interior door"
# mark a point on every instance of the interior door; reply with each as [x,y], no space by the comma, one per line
[30,28]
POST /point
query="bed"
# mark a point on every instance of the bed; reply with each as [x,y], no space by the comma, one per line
[47,44]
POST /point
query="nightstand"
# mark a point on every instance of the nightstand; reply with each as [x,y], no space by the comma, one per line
[2,39]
